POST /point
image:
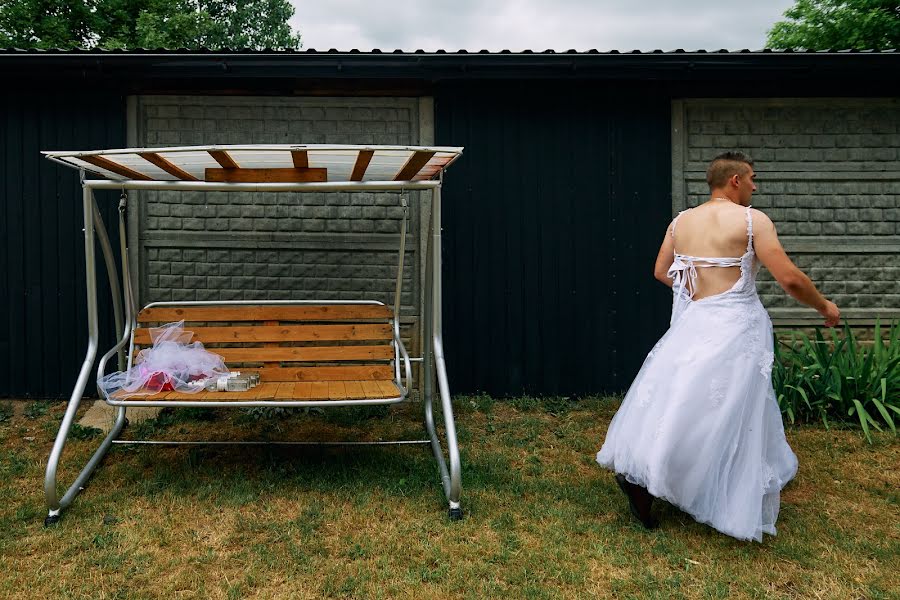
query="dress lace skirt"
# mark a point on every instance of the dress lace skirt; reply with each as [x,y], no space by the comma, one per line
[700,425]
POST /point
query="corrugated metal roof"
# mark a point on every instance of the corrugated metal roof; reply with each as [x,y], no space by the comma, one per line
[418,52]
[150,71]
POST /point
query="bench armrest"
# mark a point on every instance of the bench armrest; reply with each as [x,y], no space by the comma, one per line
[406,382]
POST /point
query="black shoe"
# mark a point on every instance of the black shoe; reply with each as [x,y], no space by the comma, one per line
[646,519]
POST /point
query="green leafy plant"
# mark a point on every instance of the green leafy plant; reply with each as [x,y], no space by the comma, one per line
[840,379]
[36,408]
[6,412]
[80,432]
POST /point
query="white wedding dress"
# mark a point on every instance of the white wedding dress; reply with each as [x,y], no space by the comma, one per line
[700,425]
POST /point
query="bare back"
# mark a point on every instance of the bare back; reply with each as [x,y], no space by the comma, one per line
[713,229]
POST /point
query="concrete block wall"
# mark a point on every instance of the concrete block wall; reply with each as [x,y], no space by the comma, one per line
[252,246]
[828,172]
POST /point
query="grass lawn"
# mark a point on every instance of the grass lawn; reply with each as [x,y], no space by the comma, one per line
[542,520]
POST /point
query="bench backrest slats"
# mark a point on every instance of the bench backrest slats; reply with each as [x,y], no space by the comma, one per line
[288,343]
[234,314]
[307,354]
[354,373]
[280,333]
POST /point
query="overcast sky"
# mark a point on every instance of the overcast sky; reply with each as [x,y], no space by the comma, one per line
[535,24]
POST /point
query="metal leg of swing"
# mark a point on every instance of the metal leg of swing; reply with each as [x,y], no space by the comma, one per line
[434,367]
[55,505]
[450,432]
[450,479]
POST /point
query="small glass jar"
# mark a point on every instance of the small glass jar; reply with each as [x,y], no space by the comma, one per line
[237,384]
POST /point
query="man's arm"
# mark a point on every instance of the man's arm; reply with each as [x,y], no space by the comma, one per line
[664,258]
[786,273]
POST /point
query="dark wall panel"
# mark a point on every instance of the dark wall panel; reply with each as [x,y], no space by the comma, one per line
[43,327]
[552,221]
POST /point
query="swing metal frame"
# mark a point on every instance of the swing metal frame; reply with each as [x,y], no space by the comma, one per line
[434,370]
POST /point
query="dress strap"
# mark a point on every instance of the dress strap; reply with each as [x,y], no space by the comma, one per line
[675,220]
[749,230]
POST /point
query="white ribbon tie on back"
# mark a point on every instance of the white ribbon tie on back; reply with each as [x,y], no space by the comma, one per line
[683,271]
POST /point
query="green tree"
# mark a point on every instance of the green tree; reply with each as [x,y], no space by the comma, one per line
[191,24]
[839,25]
[250,23]
[46,23]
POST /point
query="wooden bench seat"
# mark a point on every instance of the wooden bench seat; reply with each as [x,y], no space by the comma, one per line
[304,390]
[302,352]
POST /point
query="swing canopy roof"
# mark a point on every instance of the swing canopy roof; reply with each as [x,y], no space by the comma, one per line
[283,163]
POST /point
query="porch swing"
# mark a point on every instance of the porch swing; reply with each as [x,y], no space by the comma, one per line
[308,353]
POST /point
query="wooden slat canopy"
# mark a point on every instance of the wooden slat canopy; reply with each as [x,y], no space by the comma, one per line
[265,163]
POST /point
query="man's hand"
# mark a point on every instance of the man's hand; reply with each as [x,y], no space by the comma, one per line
[831,313]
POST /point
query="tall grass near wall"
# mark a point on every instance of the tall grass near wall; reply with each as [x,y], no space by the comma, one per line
[839,380]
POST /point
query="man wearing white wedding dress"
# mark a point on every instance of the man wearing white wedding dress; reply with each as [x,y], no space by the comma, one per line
[700,425]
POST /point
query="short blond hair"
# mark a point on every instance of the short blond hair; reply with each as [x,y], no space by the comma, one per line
[724,166]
